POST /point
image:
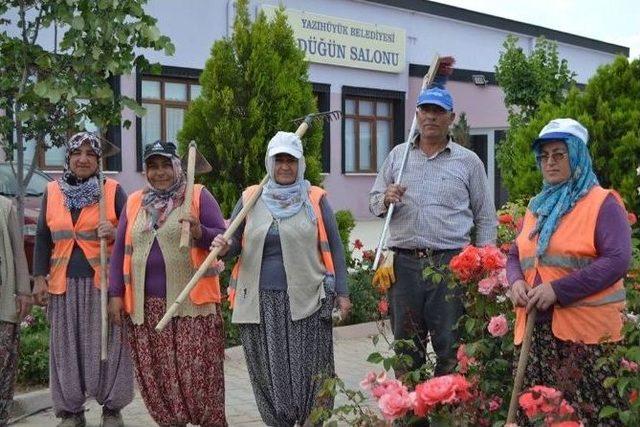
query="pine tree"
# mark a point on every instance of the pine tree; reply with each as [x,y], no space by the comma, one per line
[253,85]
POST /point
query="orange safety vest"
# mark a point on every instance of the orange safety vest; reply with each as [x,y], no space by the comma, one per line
[324,251]
[65,234]
[206,291]
[593,319]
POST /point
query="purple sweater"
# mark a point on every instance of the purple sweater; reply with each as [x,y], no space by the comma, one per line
[613,246]
[155,275]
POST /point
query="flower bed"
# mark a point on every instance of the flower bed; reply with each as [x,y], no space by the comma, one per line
[478,394]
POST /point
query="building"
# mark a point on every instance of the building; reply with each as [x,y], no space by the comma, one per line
[367,59]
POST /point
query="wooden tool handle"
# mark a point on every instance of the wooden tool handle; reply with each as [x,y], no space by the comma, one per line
[104,332]
[185,234]
[214,253]
[522,365]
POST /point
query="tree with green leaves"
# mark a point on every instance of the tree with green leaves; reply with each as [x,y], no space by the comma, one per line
[609,107]
[253,85]
[50,89]
[461,131]
[527,82]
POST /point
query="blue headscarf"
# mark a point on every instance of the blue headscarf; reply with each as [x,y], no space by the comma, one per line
[556,200]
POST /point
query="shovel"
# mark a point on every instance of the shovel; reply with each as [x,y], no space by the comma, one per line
[304,124]
[196,163]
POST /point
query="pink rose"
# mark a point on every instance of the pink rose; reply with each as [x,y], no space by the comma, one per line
[498,326]
[445,389]
[383,306]
[386,386]
[395,403]
[629,365]
[464,361]
[372,379]
[486,286]
[501,278]
[495,403]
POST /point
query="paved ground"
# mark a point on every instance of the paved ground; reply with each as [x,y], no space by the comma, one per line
[352,345]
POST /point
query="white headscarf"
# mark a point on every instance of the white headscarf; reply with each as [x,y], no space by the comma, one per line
[284,201]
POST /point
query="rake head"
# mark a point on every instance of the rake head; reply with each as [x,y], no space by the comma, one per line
[324,116]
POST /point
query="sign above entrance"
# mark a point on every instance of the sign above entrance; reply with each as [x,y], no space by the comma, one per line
[337,41]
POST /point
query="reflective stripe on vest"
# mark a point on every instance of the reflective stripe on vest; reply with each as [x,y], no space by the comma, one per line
[206,291]
[65,234]
[595,318]
[315,195]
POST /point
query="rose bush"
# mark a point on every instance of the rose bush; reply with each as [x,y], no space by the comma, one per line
[479,393]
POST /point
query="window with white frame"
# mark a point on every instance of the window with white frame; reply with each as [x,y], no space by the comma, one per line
[166,101]
[368,133]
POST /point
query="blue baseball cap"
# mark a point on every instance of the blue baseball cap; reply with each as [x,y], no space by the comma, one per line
[436,96]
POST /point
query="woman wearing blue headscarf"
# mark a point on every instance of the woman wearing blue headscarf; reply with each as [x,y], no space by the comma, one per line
[568,263]
[291,267]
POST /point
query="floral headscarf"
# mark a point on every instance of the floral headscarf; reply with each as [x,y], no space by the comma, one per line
[80,192]
[160,203]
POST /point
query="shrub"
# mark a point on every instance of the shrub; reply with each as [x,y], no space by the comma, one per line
[33,359]
[346,223]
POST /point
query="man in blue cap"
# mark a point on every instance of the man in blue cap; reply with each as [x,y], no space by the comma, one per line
[443,196]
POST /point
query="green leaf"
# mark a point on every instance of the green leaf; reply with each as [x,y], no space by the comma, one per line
[24,115]
[41,88]
[138,109]
[607,411]
[469,325]
[375,358]
[151,32]
[77,23]
[622,385]
[609,382]
[103,92]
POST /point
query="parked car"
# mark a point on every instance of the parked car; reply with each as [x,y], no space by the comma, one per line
[32,202]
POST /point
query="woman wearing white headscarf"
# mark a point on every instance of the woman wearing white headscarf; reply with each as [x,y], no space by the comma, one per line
[66,274]
[290,269]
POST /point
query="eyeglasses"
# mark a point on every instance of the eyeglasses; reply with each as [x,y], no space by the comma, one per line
[556,157]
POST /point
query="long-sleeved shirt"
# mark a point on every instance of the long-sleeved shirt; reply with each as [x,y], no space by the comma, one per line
[447,195]
[78,266]
[155,283]
[613,245]
[11,253]
[272,274]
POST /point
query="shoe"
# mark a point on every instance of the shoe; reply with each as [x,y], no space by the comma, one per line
[111,418]
[73,420]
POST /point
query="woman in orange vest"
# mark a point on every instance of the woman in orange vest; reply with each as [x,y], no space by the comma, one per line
[568,263]
[290,268]
[180,369]
[67,275]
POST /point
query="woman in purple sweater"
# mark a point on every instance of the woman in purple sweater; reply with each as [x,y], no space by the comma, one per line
[567,266]
[180,369]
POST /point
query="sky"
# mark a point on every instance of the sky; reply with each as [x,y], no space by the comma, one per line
[613,21]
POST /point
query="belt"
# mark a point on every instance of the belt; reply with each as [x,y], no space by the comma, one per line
[423,252]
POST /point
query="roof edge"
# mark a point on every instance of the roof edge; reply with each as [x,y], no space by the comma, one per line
[484,19]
